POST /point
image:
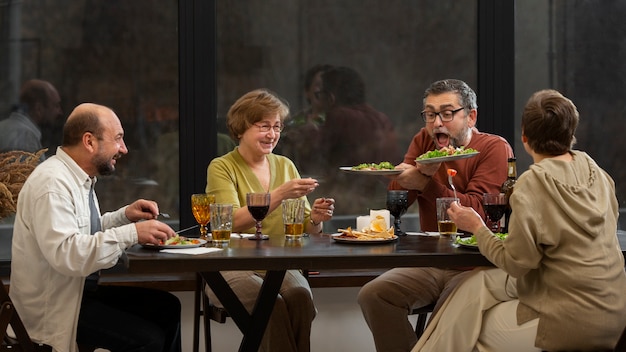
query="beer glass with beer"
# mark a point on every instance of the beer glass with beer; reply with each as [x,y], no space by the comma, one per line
[221,223]
[445,224]
[293,218]
[200,206]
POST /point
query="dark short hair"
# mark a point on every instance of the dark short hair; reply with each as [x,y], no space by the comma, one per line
[78,123]
[309,76]
[345,84]
[34,91]
[549,122]
[253,107]
[467,96]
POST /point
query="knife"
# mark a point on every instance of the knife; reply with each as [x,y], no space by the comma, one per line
[187,229]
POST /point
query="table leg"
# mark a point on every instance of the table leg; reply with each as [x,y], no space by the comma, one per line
[251,325]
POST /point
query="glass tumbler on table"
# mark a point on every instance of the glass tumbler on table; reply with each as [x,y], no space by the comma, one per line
[293,218]
[446,226]
[201,208]
[494,205]
[258,206]
[221,224]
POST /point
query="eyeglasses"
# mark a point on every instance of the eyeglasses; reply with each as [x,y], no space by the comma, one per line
[278,128]
[446,115]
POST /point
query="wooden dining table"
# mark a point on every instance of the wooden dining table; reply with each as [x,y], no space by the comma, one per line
[277,255]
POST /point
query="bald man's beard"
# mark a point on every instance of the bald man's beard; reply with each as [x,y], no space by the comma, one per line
[104,165]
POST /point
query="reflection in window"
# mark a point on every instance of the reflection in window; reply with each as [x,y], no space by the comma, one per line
[570,46]
[123,54]
[398,47]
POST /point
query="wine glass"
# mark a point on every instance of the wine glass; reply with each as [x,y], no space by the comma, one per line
[397,204]
[258,206]
[494,205]
[201,208]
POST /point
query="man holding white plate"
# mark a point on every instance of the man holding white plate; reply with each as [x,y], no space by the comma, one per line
[450,113]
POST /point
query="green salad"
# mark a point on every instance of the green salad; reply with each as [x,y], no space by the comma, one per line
[446,151]
[471,241]
[383,165]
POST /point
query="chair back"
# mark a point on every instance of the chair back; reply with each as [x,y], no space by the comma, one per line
[9,317]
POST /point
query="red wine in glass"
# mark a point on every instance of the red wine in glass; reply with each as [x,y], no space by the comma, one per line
[397,204]
[258,206]
[494,205]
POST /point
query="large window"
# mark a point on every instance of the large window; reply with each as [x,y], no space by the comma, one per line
[131,55]
[123,54]
[398,47]
[577,47]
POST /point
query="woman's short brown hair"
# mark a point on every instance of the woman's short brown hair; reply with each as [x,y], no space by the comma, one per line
[253,107]
[549,122]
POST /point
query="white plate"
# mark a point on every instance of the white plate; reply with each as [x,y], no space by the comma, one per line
[469,246]
[174,246]
[441,159]
[370,172]
[336,237]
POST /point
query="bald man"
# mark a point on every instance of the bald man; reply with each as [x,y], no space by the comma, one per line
[40,104]
[59,244]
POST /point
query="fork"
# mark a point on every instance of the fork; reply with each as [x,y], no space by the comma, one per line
[451,173]
[452,185]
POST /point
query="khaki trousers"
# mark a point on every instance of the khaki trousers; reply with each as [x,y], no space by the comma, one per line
[480,315]
[387,301]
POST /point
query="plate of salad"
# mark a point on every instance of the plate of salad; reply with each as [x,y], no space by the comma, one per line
[449,153]
[470,242]
[382,168]
[177,242]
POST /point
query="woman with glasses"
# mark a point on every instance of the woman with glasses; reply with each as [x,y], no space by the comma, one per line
[256,121]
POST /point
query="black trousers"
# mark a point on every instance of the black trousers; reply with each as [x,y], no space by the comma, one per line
[124,319]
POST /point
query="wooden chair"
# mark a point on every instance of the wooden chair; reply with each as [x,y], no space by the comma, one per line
[9,317]
[422,318]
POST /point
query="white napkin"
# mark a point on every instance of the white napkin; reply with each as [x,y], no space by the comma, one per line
[432,233]
[362,222]
[241,235]
[193,251]
[382,212]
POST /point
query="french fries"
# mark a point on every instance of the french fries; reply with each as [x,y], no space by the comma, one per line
[367,234]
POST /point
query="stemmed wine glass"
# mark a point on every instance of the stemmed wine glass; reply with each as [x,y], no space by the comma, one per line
[201,208]
[494,205]
[397,204]
[258,206]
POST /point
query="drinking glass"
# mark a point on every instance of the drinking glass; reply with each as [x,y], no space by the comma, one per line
[446,226]
[494,205]
[397,204]
[221,224]
[201,208]
[293,218]
[258,206]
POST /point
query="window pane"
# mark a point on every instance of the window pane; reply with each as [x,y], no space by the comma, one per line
[398,47]
[573,47]
[123,54]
